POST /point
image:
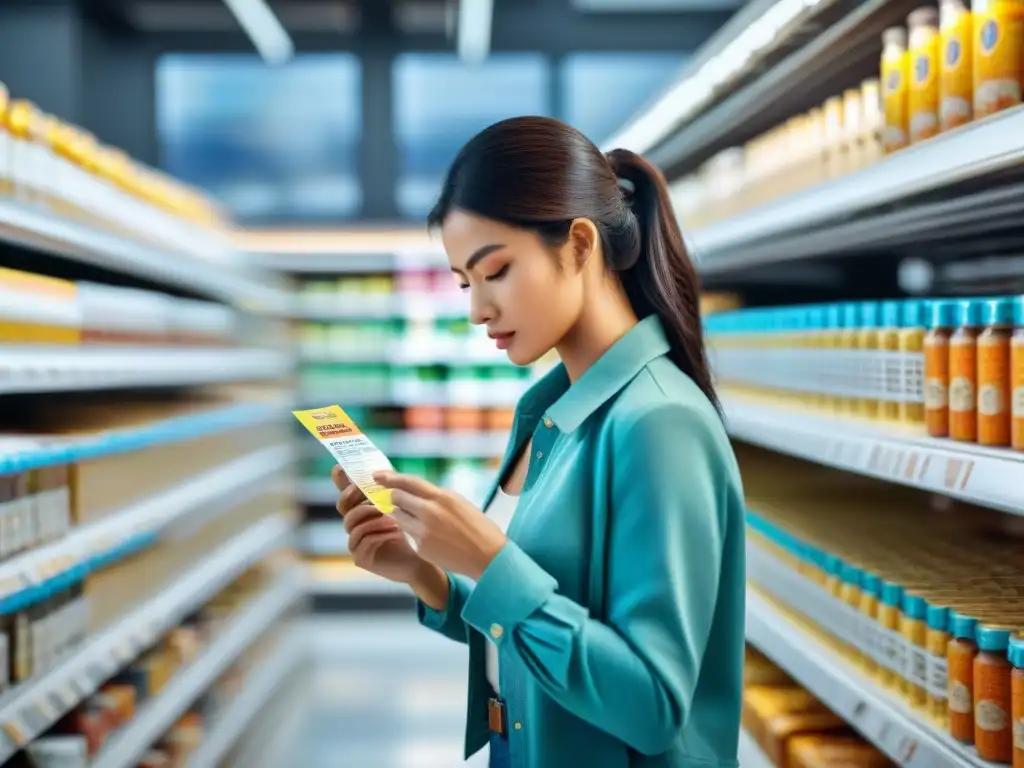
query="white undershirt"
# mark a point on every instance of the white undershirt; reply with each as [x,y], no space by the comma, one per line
[500,510]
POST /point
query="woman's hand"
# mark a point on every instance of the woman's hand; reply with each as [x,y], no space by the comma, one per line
[449,531]
[375,541]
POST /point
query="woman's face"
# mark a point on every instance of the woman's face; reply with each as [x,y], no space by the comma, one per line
[527,296]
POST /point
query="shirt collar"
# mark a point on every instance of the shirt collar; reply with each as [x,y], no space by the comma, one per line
[571,405]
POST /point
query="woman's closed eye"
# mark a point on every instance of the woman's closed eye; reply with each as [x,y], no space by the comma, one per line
[499,274]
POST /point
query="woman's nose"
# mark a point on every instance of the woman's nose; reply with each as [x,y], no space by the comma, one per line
[481,311]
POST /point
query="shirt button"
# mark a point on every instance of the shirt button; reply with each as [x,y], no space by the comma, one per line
[496,631]
[518,726]
[548,423]
[540,454]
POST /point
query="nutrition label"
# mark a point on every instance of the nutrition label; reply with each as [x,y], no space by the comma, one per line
[355,452]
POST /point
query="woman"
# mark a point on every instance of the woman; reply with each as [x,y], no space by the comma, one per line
[602,593]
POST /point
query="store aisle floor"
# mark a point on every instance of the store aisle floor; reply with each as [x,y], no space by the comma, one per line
[383,693]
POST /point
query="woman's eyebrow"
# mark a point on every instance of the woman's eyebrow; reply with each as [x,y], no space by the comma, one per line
[479,254]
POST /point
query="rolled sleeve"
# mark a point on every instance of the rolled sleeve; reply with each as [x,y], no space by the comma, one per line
[448,621]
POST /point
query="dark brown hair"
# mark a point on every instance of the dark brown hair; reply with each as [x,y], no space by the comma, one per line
[540,174]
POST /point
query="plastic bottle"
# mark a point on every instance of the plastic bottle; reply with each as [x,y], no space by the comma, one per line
[850,341]
[994,407]
[870,592]
[923,89]
[853,127]
[874,120]
[1017,374]
[869,341]
[834,337]
[889,341]
[956,81]
[998,55]
[963,372]
[963,647]
[894,88]
[915,634]
[911,347]
[938,668]
[993,734]
[941,321]
[834,149]
[1015,655]
[894,649]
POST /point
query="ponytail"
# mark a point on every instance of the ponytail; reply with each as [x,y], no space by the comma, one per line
[657,273]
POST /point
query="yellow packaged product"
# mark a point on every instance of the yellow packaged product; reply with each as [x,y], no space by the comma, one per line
[853,128]
[923,88]
[832,751]
[894,89]
[832,112]
[354,451]
[956,81]
[938,665]
[873,120]
[35,309]
[915,634]
[774,715]
[889,341]
[911,346]
[998,55]
[869,340]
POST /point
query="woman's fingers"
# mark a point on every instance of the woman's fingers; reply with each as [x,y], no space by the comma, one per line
[408,523]
[359,515]
[371,542]
[370,525]
[410,484]
[339,477]
[350,498]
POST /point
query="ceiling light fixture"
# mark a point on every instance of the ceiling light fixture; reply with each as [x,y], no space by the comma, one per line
[474,32]
[264,29]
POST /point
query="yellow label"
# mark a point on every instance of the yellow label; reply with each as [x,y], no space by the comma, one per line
[353,451]
[956,86]
[998,57]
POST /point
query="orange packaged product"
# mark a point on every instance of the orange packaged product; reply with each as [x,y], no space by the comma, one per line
[993,732]
[963,372]
[1017,375]
[425,417]
[1015,654]
[773,715]
[962,649]
[461,419]
[500,419]
[994,373]
[829,751]
[941,319]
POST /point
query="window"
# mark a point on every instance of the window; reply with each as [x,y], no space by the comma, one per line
[440,103]
[275,144]
[601,91]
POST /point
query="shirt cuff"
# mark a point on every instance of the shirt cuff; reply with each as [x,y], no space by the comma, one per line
[512,587]
[431,618]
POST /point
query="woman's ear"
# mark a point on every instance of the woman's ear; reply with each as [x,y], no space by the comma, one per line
[584,242]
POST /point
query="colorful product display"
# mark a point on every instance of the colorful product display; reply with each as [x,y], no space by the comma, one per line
[953,367]
[949,65]
[933,596]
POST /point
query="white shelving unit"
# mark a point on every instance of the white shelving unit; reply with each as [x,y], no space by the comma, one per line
[126,746]
[232,280]
[56,369]
[366,585]
[987,476]
[751,755]
[258,690]
[31,708]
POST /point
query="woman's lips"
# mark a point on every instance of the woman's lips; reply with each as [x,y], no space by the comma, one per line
[502,340]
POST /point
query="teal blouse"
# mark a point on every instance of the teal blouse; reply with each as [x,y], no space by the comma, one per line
[617,605]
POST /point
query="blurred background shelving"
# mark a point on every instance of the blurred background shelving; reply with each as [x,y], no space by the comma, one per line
[207,221]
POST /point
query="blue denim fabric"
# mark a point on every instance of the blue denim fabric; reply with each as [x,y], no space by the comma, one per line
[501,757]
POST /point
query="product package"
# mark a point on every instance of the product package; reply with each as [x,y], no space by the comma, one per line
[355,452]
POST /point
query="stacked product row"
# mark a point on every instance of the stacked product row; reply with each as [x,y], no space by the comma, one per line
[65,169]
[410,291]
[83,732]
[416,385]
[35,309]
[792,728]
[948,66]
[954,367]
[927,599]
[428,339]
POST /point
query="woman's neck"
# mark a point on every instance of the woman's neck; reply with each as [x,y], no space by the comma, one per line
[600,325]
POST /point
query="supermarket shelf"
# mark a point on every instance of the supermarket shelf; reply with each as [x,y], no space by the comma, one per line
[985,476]
[410,353]
[443,445]
[479,397]
[809,223]
[156,717]
[336,262]
[258,690]
[34,706]
[882,718]
[39,573]
[323,538]
[20,453]
[361,306]
[233,282]
[365,584]
[61,369]
[751,755]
